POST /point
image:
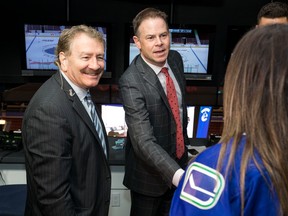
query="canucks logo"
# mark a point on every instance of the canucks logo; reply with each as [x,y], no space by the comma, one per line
[202,186]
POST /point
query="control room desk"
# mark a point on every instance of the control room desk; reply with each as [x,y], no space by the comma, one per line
[12,172]
[12,182]
[12,167]
[12,156]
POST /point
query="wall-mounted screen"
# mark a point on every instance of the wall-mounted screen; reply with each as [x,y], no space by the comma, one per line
[113,116]
[203,124]
[199,119]
[195,43]
[191,117]
[39,43]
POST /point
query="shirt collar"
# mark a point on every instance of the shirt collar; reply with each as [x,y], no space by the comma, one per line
[155,68]
[81,93]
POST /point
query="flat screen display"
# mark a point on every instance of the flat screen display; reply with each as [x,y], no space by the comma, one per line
[113,116]
[40,41]
[203,124]
[190,126]
[195,45]
[199,119]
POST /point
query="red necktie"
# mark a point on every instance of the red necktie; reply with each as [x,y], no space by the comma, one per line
[173,101]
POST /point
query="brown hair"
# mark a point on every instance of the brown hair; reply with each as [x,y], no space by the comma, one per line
[255,103]
[67,36]
[146,14]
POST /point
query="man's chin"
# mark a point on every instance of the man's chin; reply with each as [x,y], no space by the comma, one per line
[161,59]
[92,83]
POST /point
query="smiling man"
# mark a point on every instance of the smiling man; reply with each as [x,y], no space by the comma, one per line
[66,157]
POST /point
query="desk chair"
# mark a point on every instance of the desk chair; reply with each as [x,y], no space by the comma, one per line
[12,199]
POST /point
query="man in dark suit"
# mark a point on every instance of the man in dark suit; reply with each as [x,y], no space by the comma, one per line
[67,168]
[152,169]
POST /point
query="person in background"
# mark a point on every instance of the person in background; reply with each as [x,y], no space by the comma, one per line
[153,168]
[67,167]
[247,172]
[272,13]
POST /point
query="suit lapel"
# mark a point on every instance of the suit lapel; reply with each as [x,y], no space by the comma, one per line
[150,76]
[76,103]
[176,72]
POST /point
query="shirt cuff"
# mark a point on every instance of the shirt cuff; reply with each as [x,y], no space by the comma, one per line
[177,177]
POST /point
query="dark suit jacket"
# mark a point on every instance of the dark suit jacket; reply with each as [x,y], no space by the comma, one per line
[150,148]
[67,171]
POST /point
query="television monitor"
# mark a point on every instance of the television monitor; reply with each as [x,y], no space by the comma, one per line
[113,116]
[191,117]
[203,124]
[195,43]
[199,119]
[39,43]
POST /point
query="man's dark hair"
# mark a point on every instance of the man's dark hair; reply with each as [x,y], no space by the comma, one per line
[273,10]
[146,14]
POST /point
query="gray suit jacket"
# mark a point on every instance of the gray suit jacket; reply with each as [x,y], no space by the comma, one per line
[150,148]
[67,171]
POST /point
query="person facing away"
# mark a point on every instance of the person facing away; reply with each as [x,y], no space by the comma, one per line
[247,172]
[272,13]
[152,168]
[67,168]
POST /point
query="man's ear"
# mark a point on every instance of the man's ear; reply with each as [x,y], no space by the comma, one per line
[137,42]
[63,61]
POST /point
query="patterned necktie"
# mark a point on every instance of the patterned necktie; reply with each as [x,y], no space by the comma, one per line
[173,101]
[96,120]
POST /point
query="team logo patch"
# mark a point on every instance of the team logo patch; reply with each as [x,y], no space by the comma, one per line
[202,186]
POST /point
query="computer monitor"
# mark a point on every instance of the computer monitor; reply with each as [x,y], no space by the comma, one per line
[113,116]
[2,124]
[204,118]
[190,126]
[199,119]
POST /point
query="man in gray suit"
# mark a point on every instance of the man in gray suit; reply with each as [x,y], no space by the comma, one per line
[67,168]
[152,170]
